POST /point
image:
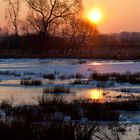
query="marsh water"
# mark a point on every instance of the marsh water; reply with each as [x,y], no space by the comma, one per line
[13,70]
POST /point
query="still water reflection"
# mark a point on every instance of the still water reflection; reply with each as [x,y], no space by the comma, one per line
[96,94]
[30,95]
[32,68]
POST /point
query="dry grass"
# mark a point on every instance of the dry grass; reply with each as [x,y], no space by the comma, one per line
[31,82]
[57,89]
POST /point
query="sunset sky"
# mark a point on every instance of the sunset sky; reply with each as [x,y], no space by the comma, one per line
[118,15]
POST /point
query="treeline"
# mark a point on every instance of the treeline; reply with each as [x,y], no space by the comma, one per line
[109,46]
[56,28]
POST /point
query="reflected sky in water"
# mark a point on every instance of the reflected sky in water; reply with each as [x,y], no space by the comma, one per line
[30,95]
[10,85]
[68,65]
[96,94]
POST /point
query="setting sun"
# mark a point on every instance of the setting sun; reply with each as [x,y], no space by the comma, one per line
[95,16]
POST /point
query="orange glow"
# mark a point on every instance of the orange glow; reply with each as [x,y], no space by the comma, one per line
[96,94]
[95,16]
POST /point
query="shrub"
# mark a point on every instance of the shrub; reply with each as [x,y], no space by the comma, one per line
[30,82]
[78,82]
[57,89]
[49,76]
[6,104]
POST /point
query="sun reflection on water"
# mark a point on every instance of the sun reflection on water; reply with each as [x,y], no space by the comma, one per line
[96,95]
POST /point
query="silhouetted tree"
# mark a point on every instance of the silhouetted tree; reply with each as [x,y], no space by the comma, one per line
[12,13]
[45,15]
[78,31]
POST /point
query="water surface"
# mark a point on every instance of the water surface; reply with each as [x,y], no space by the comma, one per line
[12,70]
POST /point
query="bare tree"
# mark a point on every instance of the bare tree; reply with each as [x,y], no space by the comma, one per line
[12,13]
[78,31]
[44,15]
[81,30]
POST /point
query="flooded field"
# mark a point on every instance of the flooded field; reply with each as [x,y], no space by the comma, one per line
[79,91]
[13,70]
